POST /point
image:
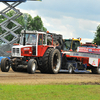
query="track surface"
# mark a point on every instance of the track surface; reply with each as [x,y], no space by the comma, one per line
[12,77]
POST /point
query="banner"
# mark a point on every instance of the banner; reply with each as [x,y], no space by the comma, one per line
[88,50]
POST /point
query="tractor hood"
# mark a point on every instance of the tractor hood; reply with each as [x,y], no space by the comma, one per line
[17,51]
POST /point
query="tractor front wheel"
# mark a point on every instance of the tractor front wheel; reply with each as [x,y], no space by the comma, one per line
[32,66]
[5,66]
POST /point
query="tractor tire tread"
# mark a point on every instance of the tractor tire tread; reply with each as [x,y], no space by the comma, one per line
[44,67]
[51,70]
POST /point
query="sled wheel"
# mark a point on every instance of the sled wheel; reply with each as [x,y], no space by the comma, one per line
[70,68]
[96,70]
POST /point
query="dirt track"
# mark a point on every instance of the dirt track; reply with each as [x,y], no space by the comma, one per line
[39,78]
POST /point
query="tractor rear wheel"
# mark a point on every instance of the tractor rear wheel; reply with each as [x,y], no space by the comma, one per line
[32,66]
[44,67]
[5,66]
[54,61]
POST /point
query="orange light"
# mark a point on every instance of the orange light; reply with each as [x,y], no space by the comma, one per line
[80,39]
[47,31]
[72,38]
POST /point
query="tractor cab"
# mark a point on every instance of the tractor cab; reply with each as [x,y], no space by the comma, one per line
[32,43]
[30,39]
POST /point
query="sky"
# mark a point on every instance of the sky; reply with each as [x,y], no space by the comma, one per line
[71,18]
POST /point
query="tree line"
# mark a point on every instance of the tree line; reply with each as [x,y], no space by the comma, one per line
[35,23]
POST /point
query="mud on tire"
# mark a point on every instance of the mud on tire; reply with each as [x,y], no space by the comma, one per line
[5,66]
[54,61]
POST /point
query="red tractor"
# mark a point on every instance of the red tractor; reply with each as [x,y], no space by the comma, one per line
[35,50]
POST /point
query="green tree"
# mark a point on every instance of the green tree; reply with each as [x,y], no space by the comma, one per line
[97,36]
[37,23]
[33,23]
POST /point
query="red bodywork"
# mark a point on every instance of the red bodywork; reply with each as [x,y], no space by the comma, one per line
[88,50]
[42,49]
[84,60]
[28,51]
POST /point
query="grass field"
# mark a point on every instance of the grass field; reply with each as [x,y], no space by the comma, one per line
[49,92]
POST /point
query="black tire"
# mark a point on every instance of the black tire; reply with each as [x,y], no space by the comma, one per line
[32,66]
[5,66]
[96,70]
[2,64]
[54,61]
[44,67]
[70,68]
